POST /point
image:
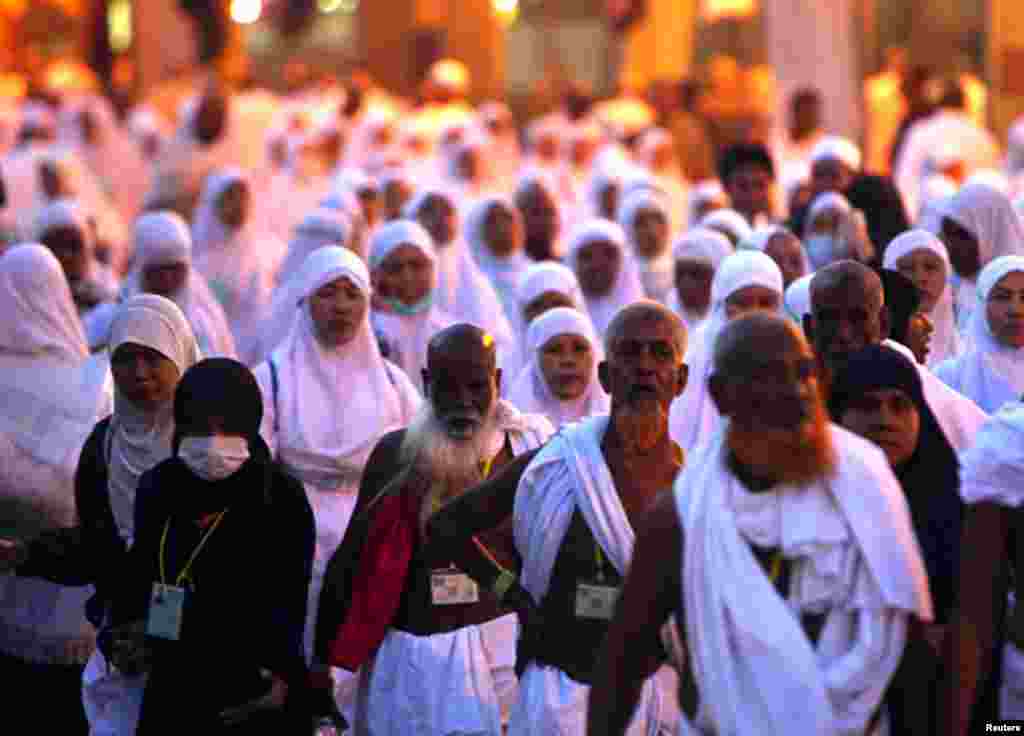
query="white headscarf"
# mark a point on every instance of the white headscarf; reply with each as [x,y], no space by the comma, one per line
[945,341]
[729,222]
[406,336]
[626,288]
[699,244]
[323,226]
[545,180]
[709,190]
[988,215]
[138,439]
[798,299]
[53,393]
[693,416]
[531,394]
[505,272]
[989,373]
[836,148]
[655,273]
[315,380]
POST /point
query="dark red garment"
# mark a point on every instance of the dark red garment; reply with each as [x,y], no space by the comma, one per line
[379,580]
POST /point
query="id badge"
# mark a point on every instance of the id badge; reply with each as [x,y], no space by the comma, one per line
[596,601]
[166,606]
[452,587]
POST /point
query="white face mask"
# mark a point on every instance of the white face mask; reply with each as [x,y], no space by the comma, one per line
[215,457]
[824,249]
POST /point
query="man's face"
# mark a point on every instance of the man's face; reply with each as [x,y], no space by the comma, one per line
[463,388]
[831,175]
[750,190]
[846,318]
[644,369]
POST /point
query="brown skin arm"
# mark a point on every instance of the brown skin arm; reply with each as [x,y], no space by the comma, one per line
[453,530]
[982,593]
[632,649]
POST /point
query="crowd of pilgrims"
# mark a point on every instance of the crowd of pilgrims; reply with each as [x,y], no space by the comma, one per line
[333,411]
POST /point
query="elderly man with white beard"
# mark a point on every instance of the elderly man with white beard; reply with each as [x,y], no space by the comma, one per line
[786,554]
[437,652]
[573,513]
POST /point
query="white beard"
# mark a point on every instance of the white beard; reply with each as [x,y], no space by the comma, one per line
[453,465]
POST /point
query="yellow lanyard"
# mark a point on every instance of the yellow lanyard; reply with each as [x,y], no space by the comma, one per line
[436,503]
[183,575]
[776,570]
[599,560]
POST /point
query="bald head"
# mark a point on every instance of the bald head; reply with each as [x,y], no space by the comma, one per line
[645,312]
[744,341]
[465,340]
[847,311]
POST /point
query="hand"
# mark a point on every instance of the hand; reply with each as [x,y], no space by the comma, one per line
[919,335]
[78,650]
[273,700]
[13,553]
[129,651]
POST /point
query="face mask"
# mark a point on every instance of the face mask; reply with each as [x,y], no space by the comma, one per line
[407,310]
[821,250]
[214,458]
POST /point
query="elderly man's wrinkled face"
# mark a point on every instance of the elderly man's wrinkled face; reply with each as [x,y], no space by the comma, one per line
[462,386]
[165,279]
[846,318]
[777,390]
[644,369]
[597,267]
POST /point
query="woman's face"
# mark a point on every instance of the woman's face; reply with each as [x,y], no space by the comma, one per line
[68,245]
[338,309]
[503,233]
[144,376]
[752,299]
[406,275]
[597,266]
[567,362]
[964,252]
[165,279]
[788,254]
[540,216]
[693,283]
[396,194]
[1005,310]
[437,216]
[650,233]
[545,303]
[233,205]
[928,272]
[887,417]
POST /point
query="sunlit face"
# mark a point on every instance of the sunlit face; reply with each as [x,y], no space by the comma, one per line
[693,283]
[750,190]
[887,417]
[1005,310]
[644,369]
[406,275]
[503,231]
[788,254]
[144,376]
[751,299]
[338,309]
[650,233]
[928,272]
[567,364]
[597,267]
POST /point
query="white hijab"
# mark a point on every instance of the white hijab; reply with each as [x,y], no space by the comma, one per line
[138,439]
[504,272]
[701,194]
[694,417]
[53,392]
[323,226]
[531,394]
[699,244]
[656,273]
[945,341]
[728,222]
[626,288]
[316,380]
[989,373]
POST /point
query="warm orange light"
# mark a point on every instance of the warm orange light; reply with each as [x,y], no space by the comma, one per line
[712,10]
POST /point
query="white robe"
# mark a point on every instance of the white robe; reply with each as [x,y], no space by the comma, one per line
[570,473]
[855,559]
[458,683]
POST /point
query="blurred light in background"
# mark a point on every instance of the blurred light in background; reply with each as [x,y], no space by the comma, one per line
[119,25]
[506,10]
[713,10]
[246,11]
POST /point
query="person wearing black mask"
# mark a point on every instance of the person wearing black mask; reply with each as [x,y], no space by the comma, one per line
[213,603]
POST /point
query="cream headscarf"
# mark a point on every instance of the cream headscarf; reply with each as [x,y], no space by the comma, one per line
[699,244]
[656,273]
[531,394]
[627,287]
[138,439]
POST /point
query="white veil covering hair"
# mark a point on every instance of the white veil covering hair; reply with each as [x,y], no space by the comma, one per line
[530,392]
[698,244]
[545,180]
[694,417]
[626,287]
[672,181]
[407,336]
[137,438]
[322,226]
[72,214]
[505,272]
[462,289]
[987,372]
[656,273]
[837,148]
[729,222]
[797,300]
[945,342]
[701,193]
[53,391]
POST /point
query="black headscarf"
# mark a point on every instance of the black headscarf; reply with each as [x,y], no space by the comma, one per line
[930,478]
[880,201]
[902,299]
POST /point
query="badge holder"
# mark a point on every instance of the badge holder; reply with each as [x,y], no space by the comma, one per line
[166,606]
[596,600]
[452,587]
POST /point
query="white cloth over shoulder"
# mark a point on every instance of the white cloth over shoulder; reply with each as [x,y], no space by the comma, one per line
[855,559]
[993,469]
[571,473]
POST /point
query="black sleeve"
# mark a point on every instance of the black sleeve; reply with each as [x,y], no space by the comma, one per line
[84,554]
[130,595]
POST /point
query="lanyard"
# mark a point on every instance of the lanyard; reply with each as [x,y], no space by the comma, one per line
[436,504]
[599,561]
[183,575]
